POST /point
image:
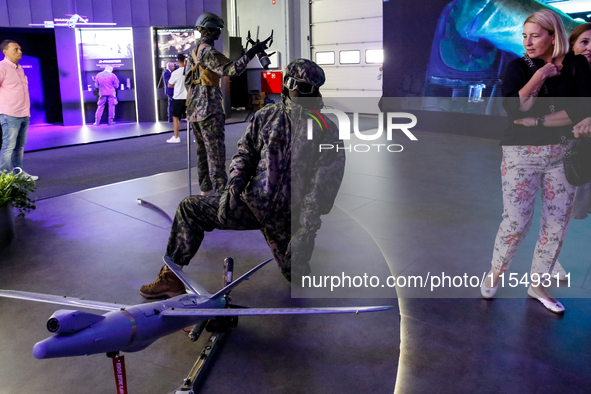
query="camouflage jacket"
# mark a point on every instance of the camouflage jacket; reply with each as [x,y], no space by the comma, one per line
[203,101]
[284,169]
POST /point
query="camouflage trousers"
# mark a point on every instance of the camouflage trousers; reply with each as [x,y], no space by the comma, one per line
[197,214]
[211,152]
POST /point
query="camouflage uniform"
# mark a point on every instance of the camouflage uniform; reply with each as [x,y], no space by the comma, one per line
[205,111]
[286,175]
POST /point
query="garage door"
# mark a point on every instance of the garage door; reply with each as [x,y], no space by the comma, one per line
[346,40]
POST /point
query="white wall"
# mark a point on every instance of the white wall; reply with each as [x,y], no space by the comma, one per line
[284,18]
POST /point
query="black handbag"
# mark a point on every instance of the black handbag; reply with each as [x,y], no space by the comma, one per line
[577,160]
[577,155]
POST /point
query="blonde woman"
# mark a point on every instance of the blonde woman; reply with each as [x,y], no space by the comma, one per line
[536,89]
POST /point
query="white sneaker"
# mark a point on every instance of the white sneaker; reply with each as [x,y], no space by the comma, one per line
[174,140]
[31,177]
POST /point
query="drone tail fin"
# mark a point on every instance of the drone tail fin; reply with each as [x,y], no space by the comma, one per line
[244,277]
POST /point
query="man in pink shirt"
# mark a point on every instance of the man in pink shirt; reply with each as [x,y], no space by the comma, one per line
[107,83]
[14,107]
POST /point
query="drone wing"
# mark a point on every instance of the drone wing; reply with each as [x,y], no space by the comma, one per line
[185,312]
[189,283]
[61,300]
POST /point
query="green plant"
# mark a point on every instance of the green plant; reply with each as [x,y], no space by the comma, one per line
[16,189]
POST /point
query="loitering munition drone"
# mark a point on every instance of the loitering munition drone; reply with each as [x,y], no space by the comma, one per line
[72,22]
[131,328]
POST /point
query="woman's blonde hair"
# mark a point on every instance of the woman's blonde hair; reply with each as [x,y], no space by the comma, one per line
[551,22]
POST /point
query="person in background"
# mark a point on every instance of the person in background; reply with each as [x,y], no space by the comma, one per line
[168,90]
[536,90]
[279,183]
[205,109]
[107,83]
[177,82]
[580,44]
[15,108]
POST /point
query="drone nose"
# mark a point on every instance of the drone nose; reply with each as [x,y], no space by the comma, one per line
[40,350]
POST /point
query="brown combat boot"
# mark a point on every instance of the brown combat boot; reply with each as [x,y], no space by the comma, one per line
[167,285]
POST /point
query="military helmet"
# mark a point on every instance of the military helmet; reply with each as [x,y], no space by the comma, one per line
[209,21]
[304,70]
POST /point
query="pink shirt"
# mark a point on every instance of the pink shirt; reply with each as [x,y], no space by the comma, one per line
[14,90]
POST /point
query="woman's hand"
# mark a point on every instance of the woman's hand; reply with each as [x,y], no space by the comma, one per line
[548,71]
[583,128]
[528,122]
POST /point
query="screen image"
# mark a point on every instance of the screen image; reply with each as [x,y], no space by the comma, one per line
[174,41]
[106,47]
[106,43]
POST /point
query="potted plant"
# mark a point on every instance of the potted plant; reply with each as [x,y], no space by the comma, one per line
[15,187]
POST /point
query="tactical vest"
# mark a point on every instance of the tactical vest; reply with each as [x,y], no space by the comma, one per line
[206,77]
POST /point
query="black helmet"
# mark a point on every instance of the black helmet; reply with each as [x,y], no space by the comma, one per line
[209,21]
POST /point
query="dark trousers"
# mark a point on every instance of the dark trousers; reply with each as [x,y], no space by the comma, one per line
[169,108]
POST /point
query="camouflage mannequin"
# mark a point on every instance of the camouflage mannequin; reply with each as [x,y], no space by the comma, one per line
[277,174]
[205,109]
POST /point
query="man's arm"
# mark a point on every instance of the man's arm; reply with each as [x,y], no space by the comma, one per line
[172,80]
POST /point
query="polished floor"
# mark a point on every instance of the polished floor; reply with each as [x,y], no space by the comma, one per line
[48,136]
[428,211]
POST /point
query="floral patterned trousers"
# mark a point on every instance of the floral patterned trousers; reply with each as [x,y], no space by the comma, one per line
[524,170]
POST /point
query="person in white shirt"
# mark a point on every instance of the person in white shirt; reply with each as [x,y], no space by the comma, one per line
[179,98]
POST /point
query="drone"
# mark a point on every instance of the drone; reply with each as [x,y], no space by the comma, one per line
[74,21]
[132,328]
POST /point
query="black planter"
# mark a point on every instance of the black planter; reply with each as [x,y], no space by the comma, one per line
[6,225]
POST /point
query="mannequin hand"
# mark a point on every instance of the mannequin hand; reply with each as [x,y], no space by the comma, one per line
[258,47]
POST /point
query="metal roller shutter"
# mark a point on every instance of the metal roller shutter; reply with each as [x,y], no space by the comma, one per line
[344,27]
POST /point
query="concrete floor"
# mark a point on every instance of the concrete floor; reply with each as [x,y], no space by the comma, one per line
[432,209]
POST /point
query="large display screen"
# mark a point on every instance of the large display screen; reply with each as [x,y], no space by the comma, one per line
[102,47]
[460,57]
[168,43]
[171,42]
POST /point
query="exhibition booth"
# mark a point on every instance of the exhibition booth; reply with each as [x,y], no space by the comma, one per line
[97,49]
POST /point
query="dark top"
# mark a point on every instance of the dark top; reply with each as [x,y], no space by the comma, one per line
[565,91]
[168,91]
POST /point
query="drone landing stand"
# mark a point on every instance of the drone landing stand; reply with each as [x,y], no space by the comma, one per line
[218,328]
[196,374]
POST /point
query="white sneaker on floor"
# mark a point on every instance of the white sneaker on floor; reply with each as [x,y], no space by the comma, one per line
[174,140]
[31,177]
